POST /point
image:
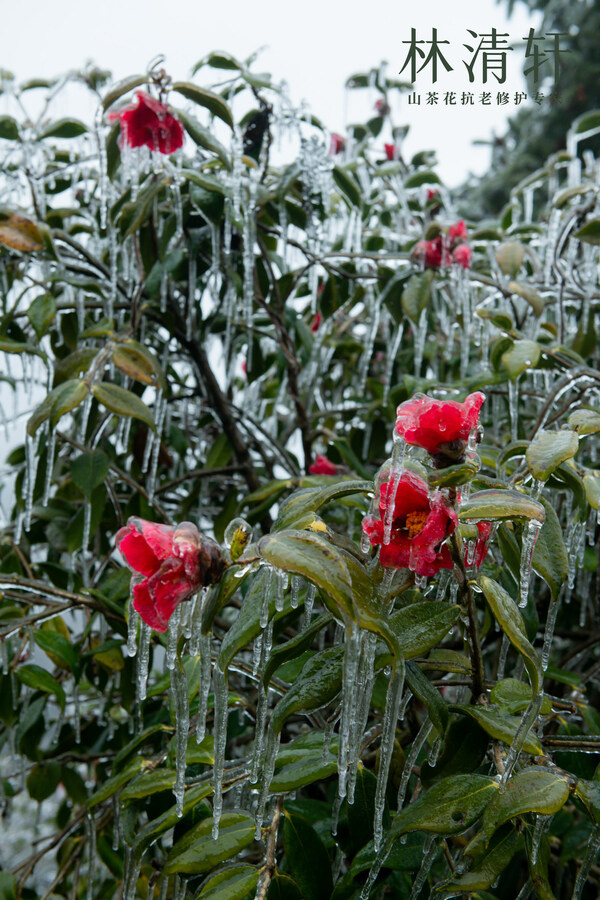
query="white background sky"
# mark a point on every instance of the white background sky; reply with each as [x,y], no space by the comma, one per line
[313,44]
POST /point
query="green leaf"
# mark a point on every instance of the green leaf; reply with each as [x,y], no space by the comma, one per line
[314,557]
[135,213]
[512,696]
[448,807]
[9,130]
[419,178]
[116,781]
[60,400]
[510,257]
[40,680]
[312,499]
[589,794]
[169,819]
[203,97]
[429,695]
[57,647]
[592,490]
[196,852]
[509,617]
[88,471]
[550,559]
[148,783]
[465,746]
[41,313]
[585,421]
[8,886]
[348,186]
[590,233]
[64,128]
[74,364]
[521,356]
[420,626]
[416,295]
[306,858]
[136,361]
[123,87]
[310,768]
[497,504]
[533,297]
[318,683]
[501,727]
[123,403]
[488,869]
[532,790]
[233,883]
[293,648]
[43,780]
[548,450]
[204,138]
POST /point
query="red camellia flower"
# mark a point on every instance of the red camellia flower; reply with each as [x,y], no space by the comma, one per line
[390,151]
[337,144]
[458,231]
[442,427]
[420,526]
[170,563]
[149,124]
[323,466]
[462,256]
[430,253]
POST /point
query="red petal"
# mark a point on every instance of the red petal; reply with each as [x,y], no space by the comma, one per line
[169,587]
[144,605]
[158,537]
[134,548]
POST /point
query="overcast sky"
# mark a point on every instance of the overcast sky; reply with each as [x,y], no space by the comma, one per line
[314,45]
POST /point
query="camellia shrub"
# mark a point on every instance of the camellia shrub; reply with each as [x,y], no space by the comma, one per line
[298,567]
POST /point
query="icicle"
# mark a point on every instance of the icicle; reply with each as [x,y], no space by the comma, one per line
[179,693]
[513,408]
[4,654]
[395,473]
[588,862]
[373,316]
[172,638]
[419,342]
[502,660]
[430,849]
[411,759]
[280,586]
[434,752]
[50,449]
[390,719]
[352,652]
[221,695]
[103,181]
[204,687]
[529,717]
[267,777]
[91,838]
[159,415]
[309,601]
[365,685]
[259,732]
[404,705]
[528,543]
[541,825]
[132,624]
[31,462]
[143,660]
[77,713]
[549,630]
[117,840]
[295,583]
[264,603]
[389,363]
[131,873]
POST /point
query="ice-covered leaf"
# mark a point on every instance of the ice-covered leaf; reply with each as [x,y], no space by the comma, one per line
[501,727]
[488,869]
[123,87]
[148,783]
[590,233]
[420,626]
[429,696]
[318,683]
[416,295]
[348,185]
[312,767]
[9,130]
[465,746]
[197,852]
[136,361]
[293,648]
[232,883]
[312,499]
[585,421]
[510,257]
[203,97]
[550,559]
[64,128]
[498,505]
[533,297]
[57,648]
[513,696]
[548,450]
[88,471]
[123,402]
[59,401]
[39,679]
[509,617]
[448,807]
[20,233]
[41,313]
[306,857]
[521,356]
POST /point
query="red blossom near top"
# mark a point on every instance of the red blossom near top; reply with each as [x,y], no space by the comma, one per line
[337,144]
[433,194]
[323,466]
[316,322]
[432,254]
[390,151]
[458,231]
[381,107]
[170,563]
[420,525]
[149,124]
[439,426]
[462,256]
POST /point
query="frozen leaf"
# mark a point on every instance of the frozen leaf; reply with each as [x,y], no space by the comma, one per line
[548,450]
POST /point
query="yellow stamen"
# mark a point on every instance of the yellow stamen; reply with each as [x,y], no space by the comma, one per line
[415,522]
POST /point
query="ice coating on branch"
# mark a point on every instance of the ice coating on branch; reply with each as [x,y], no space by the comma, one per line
[529,539]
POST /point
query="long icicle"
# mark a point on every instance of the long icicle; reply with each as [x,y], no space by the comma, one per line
[390,719]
